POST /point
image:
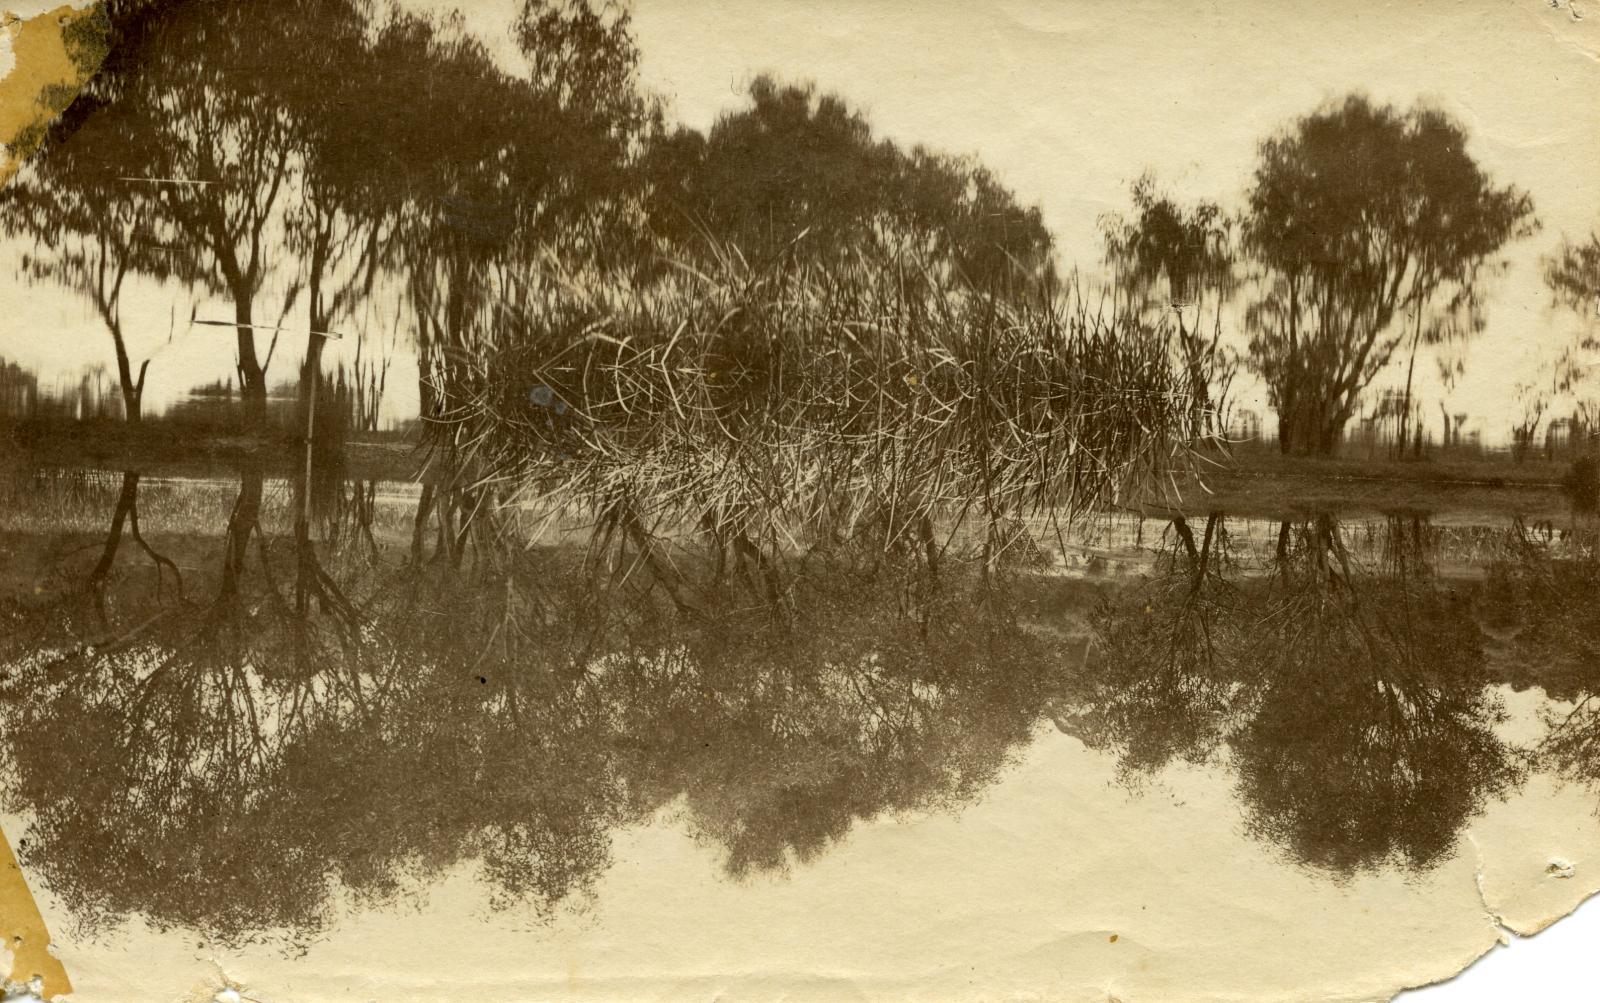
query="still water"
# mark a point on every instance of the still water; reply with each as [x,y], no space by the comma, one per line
[347,742]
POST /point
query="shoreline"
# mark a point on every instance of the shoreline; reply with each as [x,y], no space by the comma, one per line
[1253,481]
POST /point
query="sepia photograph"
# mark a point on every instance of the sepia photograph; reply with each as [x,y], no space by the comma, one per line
[830,500]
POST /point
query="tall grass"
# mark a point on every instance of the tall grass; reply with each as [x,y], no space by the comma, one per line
[789,405]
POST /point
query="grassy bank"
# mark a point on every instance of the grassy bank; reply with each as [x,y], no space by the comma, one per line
[178,449]
[1256,482]
[1250,481]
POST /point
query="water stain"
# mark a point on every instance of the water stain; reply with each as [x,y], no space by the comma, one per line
[23,930]
[53,53]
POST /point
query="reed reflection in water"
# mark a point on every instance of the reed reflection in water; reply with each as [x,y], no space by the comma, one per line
[264,700]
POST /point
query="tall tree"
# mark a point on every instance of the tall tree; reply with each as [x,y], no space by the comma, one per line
[87,232]
[1573,276]
[85,225]
[345,196]
[206,150]
[506,172]
[1363,219]
[802,170]
[1178,261]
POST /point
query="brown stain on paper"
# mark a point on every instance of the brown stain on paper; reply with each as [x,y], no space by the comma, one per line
[41,83]
[24,931]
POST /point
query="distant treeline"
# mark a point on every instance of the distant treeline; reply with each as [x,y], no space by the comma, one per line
[213,408]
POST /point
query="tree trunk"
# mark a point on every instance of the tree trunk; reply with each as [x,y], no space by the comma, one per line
[1313,428]
[252,378]
[132,390]
[241,524]
[1405,404]
[125,502]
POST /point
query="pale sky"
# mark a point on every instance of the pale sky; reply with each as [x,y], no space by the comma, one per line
[1069,102]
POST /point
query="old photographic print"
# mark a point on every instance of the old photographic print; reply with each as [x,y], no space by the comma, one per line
[572,500]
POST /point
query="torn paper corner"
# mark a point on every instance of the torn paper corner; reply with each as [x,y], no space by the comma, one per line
[45,57]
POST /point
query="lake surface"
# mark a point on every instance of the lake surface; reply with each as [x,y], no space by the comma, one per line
[346,742]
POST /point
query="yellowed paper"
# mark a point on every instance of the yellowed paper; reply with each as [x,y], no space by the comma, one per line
[827,501]
[27,940]
[41,77]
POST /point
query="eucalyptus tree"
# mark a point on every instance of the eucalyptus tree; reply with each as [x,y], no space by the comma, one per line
[82,221]
[86,230]
[1573,275]
[200,85]
[802,171]
[344,103]
[514,182]
[1178,260]
[504,172]
[1365,221]
[178,158]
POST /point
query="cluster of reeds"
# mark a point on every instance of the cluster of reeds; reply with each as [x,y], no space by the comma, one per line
[790,405]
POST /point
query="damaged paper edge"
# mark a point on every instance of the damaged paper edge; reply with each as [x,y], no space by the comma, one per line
[43,65]
[41,78]
[30,967]
[1558,868]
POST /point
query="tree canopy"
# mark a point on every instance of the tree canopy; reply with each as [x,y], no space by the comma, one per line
[802,169]
[1362,218]
[1178,260]
[1573,275]
[308,152]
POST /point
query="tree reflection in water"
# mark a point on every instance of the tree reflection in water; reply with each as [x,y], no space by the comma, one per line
[1541,599]
[220,729]
[1162,686]
[325,702]
[1352,704]
[1374,735]
[302,717]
